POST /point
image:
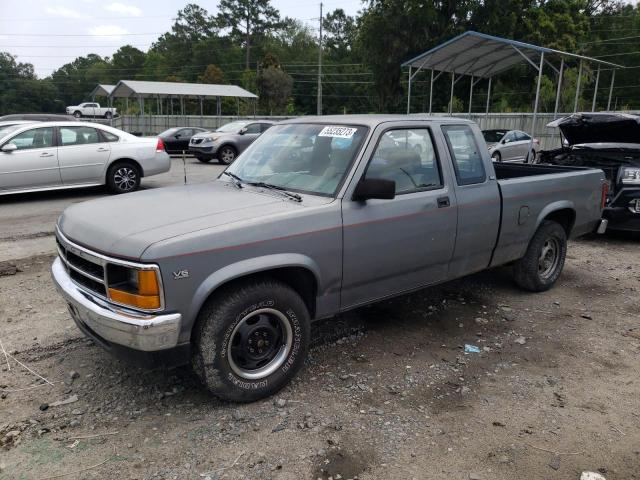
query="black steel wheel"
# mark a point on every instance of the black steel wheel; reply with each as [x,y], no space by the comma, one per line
[249,341]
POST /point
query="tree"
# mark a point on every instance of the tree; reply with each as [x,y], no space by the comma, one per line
[127,62]
[22,91]
[340,33]
[248,19]
[212,74]
[274,85]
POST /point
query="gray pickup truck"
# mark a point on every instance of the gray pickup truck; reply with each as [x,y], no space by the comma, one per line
[318,216]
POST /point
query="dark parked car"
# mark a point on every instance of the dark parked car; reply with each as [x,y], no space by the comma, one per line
[39,117]
[176,140]
[611,142]
[228,141]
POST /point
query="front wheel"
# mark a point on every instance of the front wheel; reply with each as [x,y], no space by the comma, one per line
[495,156]
[250,342]
[227,155]
[77,114]
[543,261]
[123,177]
[203,159]
[108,115]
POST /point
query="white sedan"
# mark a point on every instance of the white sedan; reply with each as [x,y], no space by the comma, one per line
[59,155]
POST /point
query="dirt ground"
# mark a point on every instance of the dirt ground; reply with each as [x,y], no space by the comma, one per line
[387,391]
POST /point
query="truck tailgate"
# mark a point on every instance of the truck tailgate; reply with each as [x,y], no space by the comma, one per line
[528,199]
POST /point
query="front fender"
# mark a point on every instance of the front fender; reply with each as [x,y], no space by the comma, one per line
[244,268]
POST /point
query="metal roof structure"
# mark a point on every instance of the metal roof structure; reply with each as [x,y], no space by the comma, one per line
[481,57]
[144,89]
[102,90]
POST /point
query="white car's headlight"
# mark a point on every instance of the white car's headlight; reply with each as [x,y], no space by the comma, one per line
[630,176]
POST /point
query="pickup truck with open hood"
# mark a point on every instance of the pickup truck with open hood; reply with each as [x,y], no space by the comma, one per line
[318,216]
[610,142]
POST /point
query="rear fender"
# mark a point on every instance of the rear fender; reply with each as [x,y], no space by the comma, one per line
[554,207]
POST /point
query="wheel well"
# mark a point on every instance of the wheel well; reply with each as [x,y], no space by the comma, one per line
[301,280]
[235,149]
[127,160]
[565,217]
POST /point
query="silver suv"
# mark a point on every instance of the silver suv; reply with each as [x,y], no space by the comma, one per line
[227,142]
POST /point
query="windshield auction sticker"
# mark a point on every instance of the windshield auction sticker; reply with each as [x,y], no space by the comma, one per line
[337,132]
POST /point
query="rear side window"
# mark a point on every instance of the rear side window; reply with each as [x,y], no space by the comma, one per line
[467,160]
[78,136]
[108,136]
[265,126]
[253,128]
[521,136]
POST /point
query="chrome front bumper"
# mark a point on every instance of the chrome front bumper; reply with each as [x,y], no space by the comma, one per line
[95,317]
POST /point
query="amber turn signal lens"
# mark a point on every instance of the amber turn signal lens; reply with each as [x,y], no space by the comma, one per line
[148,302]
[148,283]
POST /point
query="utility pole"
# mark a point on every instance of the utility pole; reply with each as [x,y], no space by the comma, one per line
[320,66]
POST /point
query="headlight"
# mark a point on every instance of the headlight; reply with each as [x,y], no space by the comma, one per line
[631,175]
[208,139]
[634,205]
[134,287]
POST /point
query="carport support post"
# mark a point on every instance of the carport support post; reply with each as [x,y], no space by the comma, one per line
[453,81]
[486,111]
[431,92]
[613,79]
[535,107]
[575,103]
[595,90]
[470,95]
[555,109]
[409,93]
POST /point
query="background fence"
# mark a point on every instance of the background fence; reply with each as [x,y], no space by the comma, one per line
[154,124]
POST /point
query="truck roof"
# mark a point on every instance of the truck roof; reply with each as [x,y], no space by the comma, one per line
[373,120]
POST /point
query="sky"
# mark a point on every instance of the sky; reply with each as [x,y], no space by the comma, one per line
[50,33]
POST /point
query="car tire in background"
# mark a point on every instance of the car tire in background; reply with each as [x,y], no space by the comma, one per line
[543,261]
[496,157]
[227,154]
[251,340]
[77,114]
[108,115]
[203,159]
[123,177]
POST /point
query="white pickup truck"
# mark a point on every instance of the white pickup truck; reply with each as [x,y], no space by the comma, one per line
[91,109]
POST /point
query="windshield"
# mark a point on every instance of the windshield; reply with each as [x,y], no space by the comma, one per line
[493,136]
[6,130]
[308,158]
[232,127]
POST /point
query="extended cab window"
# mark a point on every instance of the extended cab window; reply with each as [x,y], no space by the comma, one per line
[408,157]
[467,160]
[78,136]
[35,138]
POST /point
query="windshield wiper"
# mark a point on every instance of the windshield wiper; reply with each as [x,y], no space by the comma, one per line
[293,196]
[237,181]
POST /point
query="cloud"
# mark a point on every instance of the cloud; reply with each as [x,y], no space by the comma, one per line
[107,31]
[63,12]
[123,9]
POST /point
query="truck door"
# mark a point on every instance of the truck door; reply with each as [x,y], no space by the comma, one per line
[392,246]
[478,200]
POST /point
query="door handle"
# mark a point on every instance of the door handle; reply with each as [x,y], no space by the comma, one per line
[102,150]
[45,154]
[443,202]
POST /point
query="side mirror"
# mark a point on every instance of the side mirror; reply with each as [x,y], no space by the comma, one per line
[9,147]
[505,140]
[243,130]
[370,188]
[177,135]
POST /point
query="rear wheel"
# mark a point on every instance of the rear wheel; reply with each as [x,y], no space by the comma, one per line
[123,177]
[496,157]
[249,342]
[543,261]
[108,115]
[227,154]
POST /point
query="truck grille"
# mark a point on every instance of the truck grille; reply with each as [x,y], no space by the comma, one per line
[85,269]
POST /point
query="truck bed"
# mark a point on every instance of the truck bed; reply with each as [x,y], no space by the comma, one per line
[530,192]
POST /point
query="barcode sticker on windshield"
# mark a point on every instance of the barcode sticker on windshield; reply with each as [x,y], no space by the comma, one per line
[338,132]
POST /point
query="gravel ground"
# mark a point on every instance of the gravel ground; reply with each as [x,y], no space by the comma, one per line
[387,391]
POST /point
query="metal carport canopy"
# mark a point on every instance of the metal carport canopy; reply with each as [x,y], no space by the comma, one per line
[102,90]
[143,89]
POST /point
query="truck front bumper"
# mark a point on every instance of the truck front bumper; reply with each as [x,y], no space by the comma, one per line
[109,325]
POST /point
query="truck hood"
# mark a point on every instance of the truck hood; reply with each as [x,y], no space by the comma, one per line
[124,226]
[584,128]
